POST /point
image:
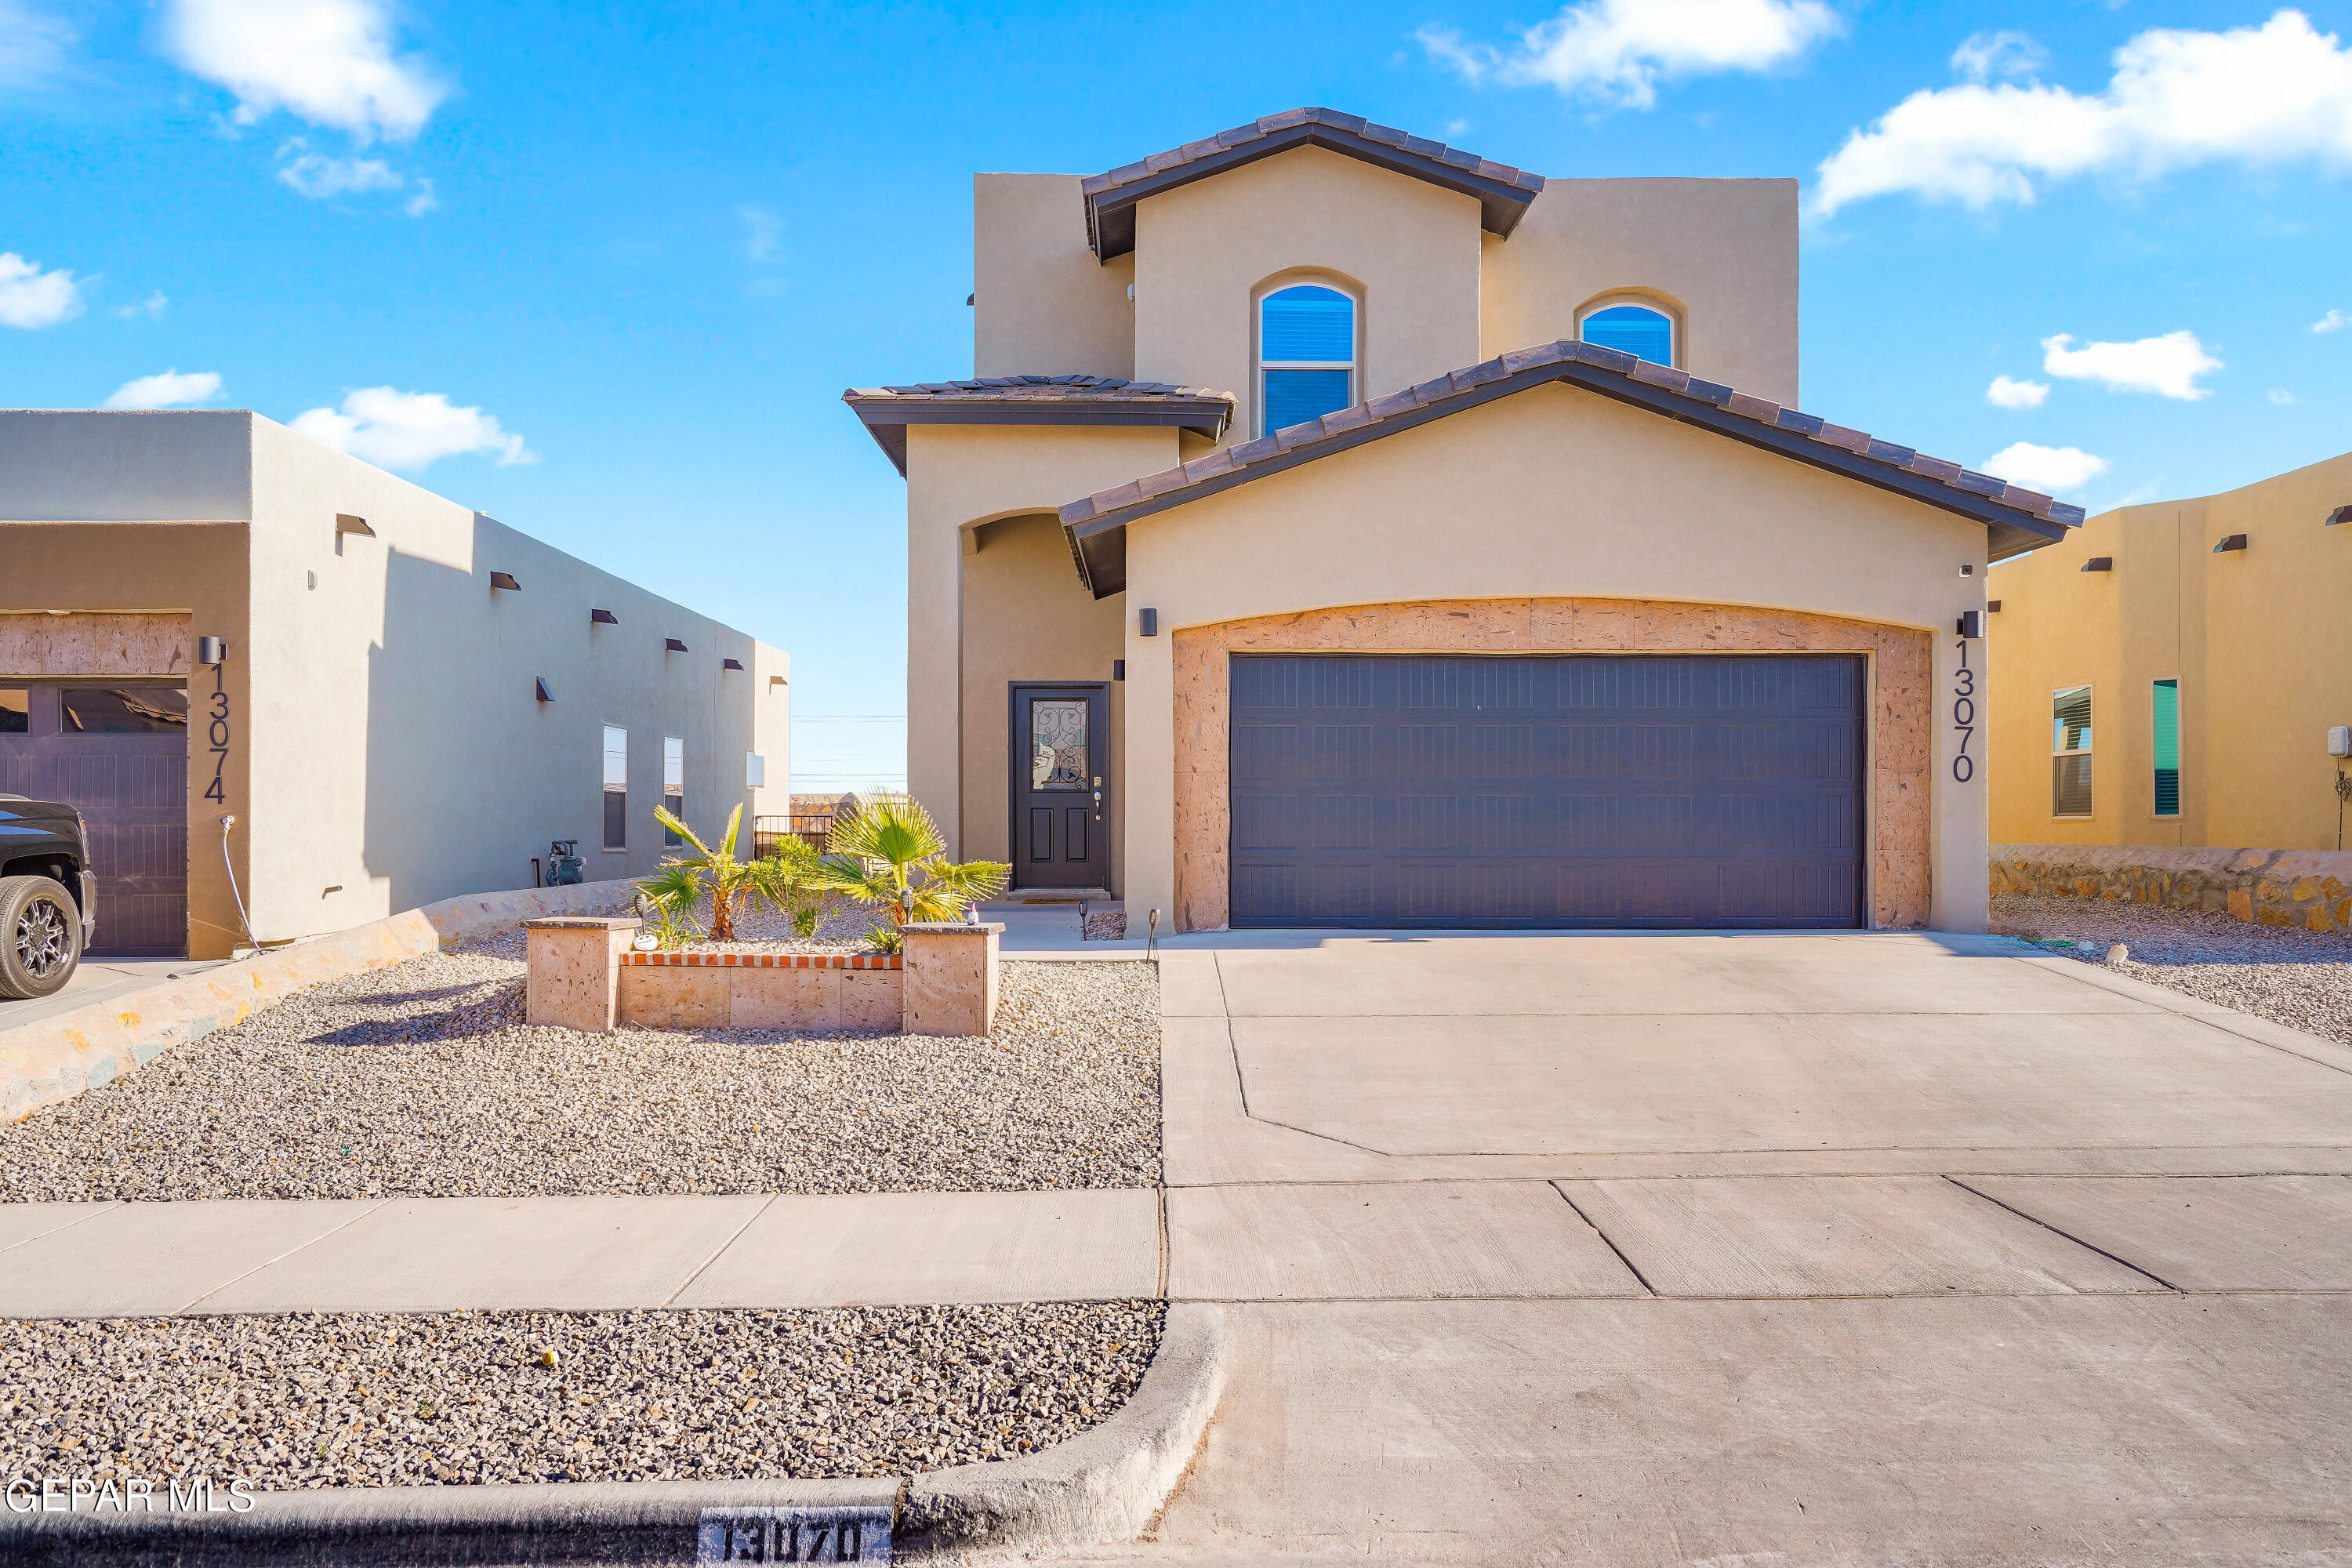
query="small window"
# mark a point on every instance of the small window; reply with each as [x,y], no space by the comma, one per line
[123,710]
[2167,749]
[16,711]
[1306,355]
[755,771]
[616,787]
[1635,329]
[673,785]
[2070,747]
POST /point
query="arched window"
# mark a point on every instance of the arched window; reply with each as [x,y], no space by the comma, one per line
[1306,355]
[1637,329]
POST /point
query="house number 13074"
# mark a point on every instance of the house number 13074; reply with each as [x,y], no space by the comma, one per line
[216,736]
[1964,715]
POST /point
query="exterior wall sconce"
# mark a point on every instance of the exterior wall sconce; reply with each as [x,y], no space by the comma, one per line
[673,644]
[211,650]
[504,580]
[1971,623]
[1148,623]
[2100,564]
[2235,542]
[1118,669]
[346,523]
[602,618]
[543,694]
[775,680]
[1992,607]
[2341,514]
[730,664]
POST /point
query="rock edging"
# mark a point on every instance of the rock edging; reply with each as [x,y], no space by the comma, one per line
[2308,889]
[57,1057]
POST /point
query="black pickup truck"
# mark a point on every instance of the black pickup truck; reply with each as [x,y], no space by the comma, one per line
[49,899]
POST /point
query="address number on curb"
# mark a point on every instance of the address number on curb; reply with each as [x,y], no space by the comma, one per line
[794,1535]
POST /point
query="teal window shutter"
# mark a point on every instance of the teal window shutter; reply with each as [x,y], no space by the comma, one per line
[2166,750]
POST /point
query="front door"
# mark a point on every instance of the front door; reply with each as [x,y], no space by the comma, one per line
[1061,765]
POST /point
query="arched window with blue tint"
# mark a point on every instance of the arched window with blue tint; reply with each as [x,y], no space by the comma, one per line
[1306,355]
[1637,329]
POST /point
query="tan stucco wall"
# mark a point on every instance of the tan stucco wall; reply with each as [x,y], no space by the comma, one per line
[2246,633]
[1898,798]
[1041,304]
[958,477]
[385,739]
[1026,617]
[1203,251]
[1720,254]
[1554,493]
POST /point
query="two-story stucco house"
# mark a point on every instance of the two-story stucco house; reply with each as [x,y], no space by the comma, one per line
[1343,529]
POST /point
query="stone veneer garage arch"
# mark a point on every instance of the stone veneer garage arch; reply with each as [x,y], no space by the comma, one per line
[1897,661]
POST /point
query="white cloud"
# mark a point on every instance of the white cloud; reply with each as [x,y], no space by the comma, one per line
[32,298]
[2251,95]
[2006,393]
[2167,366]
[1618,50]
[763,231]
[2052,469]
[33,44]
[2280,396]
[2334,322]
[1984,55]
[318,176]
[150,306]
[329,62]
[423,200]
[169,390]
[410,429]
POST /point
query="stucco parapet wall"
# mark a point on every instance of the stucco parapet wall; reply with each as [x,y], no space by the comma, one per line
[2020,519]
[2307,889]
[59,1057]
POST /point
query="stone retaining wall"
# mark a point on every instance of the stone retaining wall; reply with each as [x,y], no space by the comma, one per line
[58,1057]
[2309,889]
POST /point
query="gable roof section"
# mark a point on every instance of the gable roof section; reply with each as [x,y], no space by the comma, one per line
[887,411]
[2018,519]
[1502,191]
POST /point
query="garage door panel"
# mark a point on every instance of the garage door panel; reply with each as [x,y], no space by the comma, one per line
[1703,790]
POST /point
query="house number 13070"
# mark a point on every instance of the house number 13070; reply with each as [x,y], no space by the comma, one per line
[1964,715]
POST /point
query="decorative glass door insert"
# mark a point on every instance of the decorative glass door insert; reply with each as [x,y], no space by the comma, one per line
[1057,733]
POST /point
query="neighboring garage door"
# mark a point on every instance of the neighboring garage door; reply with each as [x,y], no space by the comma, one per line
[1633,790]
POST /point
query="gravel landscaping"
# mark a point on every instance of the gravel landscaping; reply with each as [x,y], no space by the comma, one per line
[2299,978]
[372,1399]
[421,1080]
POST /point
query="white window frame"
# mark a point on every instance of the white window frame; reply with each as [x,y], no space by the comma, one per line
[2090,730]
[1610,301]
[1355,346]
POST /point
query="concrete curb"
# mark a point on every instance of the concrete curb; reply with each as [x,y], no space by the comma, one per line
[1105,1485]
[57,1057]
[1101,1486]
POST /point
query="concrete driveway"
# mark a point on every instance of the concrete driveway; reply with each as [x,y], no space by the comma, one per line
[1754,1249]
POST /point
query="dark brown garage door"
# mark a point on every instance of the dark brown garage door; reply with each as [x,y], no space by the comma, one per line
[118,755]
[1635,790]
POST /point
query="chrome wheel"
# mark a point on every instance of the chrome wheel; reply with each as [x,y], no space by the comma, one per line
[44,941]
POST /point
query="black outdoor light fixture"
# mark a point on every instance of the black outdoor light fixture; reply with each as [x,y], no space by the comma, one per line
[673,644]
[2100,564]
[504,580]
[2341,514]
[2235,542]
[730,664]
[1992,607]
[544,695]
[1971,623]
[211,650]
[1148,623]
[602,618]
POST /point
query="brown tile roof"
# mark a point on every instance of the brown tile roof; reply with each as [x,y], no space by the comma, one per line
[887,411]
[1502,191]
[2020,520]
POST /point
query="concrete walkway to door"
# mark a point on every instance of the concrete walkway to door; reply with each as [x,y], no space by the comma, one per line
[1779,1249]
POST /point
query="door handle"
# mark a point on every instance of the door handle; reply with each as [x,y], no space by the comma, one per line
[1097,805]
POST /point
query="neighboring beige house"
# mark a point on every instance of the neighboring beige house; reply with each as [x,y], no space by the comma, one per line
[412,702]
[2165,678]
[1343,529]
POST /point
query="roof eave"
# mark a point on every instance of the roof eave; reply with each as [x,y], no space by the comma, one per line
[887,418]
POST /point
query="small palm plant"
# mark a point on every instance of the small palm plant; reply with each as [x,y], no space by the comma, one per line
[679,887]
[890,854]
[804,902]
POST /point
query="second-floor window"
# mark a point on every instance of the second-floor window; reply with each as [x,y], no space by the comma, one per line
[1306,355]
[1636,328]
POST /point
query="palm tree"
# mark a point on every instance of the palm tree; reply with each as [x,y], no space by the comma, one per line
[891,854]
[681,884]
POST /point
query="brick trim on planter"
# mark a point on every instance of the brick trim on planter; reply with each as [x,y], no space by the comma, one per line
[766,960]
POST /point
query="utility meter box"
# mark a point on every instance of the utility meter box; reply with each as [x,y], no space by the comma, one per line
[2339,740]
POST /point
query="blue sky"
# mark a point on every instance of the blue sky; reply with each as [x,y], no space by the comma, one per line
[602,270]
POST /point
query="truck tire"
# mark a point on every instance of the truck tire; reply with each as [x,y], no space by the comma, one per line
[41,937]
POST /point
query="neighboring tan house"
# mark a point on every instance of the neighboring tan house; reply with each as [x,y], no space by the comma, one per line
[1341,529]
[411,700]
[2162,678]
